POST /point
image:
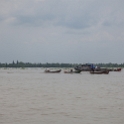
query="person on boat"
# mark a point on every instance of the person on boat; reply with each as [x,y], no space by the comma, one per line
[92,67]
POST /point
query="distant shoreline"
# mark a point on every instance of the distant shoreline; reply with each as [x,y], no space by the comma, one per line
[47,65]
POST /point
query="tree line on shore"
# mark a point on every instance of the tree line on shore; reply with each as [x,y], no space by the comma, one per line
[47,65]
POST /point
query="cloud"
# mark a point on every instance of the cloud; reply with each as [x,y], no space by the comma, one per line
[66,30]
[70,14]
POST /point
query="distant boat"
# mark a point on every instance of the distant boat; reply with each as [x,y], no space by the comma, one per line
[52,71]
[71,71]
[85,67]
[115,69]
[100,72]
[118,69]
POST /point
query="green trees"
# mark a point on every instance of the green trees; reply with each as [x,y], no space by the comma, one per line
[110,65]
[47,65]
[28,64]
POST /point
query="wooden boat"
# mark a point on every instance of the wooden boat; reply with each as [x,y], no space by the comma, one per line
[100,72]
[52,71]
[71,71]
[118,69]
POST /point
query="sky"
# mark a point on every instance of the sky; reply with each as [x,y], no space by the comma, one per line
[62,31]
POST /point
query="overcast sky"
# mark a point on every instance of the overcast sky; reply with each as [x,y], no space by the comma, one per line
[64,31]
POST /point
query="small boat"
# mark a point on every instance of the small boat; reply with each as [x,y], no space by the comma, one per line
[118,69]
[100,72]
[71,71]
[52,71]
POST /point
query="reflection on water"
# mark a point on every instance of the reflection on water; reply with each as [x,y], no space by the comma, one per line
[30,96]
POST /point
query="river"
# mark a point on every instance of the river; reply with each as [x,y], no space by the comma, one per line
[30,96]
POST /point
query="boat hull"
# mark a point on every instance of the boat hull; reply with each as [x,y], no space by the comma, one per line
[71,72]
[52,71]
[99,72]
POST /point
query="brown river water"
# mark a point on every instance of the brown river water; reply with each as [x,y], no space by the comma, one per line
[30,96]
